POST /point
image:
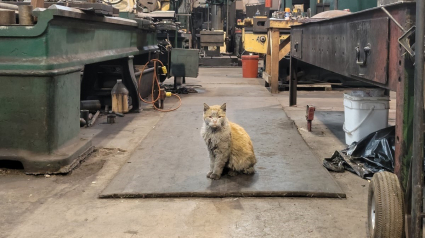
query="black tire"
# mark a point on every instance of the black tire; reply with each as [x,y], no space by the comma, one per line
[385,207]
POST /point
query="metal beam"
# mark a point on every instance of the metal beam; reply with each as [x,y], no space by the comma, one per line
[331,44]
[293,82]
[59,40]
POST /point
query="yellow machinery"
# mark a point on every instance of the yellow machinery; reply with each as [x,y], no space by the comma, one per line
[165,5]
[255,42]
[270,37]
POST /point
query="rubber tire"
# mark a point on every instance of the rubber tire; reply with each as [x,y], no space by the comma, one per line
[385,189]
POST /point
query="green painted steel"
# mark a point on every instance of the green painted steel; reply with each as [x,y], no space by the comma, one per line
[354,6]
[64,39]
[40,80]
[39,114]
[288,3]
[127,15]
[313,7]
[358,5]
[184,62]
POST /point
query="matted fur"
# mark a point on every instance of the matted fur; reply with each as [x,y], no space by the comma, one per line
[228,144]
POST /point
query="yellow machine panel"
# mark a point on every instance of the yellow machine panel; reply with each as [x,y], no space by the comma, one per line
[257,43]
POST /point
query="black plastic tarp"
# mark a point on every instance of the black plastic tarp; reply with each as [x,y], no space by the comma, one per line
[370,155]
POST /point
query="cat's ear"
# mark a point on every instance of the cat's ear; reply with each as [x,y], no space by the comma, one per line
[206,107]
[223,107]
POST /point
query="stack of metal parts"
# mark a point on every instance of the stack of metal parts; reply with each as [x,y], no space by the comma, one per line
[8,13]
[164,20]
[94,8]
[12,13]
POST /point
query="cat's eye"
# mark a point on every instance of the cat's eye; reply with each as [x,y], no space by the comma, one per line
[210,116]
[220,117]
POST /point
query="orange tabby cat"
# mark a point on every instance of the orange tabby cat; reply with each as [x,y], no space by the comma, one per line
[229,145]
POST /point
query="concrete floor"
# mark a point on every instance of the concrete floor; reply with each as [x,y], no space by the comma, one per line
[68,206]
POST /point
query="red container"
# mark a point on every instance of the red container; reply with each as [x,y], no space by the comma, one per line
[249,66]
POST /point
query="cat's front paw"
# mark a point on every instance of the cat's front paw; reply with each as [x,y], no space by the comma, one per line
[209,174]
[214,176]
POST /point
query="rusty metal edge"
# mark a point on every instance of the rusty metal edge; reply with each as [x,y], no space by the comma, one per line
[52,72]
[355,14]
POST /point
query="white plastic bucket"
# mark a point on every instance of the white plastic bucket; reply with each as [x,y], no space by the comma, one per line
[364,115]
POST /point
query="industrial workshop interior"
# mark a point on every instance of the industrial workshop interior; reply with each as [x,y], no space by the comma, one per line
[212,118]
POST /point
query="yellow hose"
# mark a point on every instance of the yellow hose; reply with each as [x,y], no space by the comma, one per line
[155,80]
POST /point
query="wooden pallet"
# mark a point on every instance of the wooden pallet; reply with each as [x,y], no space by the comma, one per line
[311,87]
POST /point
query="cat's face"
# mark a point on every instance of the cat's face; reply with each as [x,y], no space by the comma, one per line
[215,116]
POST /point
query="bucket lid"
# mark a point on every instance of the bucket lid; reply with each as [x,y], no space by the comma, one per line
[249,57]
[354,98]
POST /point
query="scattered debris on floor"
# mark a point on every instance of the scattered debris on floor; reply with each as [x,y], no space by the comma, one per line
[87,119]
[82,122]
[111,119]
[183,89]
[102,152]
[93,120]
[370,155]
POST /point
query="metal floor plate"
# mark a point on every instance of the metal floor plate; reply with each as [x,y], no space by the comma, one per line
[172,161]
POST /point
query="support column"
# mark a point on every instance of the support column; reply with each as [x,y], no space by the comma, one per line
[313,4]
[216,17]
[288,3]
[404,124]
[293,82]
[274,60]
[418,128]
[268,66]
